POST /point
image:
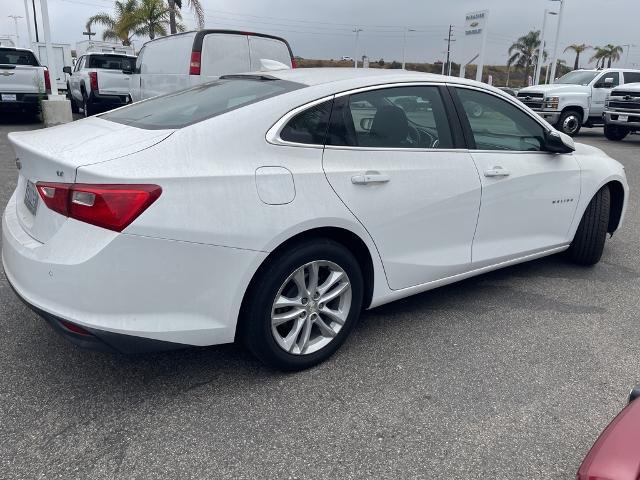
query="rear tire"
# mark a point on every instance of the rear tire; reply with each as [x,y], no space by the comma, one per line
[281,344]
[570,122]
[615,133]
[588,244]
[74,105]
[87,107]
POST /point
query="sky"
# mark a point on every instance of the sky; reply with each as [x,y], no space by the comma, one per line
[324,29]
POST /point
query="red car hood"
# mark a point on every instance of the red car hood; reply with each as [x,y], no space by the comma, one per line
[616,453]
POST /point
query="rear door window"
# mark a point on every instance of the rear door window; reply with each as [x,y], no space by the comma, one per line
[17,57]
[264,49]
[111,62]
[224,54]
[631,77]
[186,107]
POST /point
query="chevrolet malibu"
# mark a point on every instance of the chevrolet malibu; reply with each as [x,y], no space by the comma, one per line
[273,208]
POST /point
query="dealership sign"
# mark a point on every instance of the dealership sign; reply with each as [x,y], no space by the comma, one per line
[475,23]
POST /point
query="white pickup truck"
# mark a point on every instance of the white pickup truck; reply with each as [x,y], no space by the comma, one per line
[23,81]
[576,99]
[622,112]
[100,82]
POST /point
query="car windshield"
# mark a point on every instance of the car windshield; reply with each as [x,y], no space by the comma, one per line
[111,62]
[180,109]
[17,57]
[577,78]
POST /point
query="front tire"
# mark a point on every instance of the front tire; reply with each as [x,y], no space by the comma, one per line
[570,122]
[588,244]
[615,133]
[303,305]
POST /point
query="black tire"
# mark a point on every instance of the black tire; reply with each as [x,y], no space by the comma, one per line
[87,107]
[255,322]
[570,122]
[615,133]
[588,244]
[74,105]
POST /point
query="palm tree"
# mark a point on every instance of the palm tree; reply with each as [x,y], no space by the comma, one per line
[524,52]
[120,26]
[195,5]
[613,53]
[599,56]
[578,48]
[153,19]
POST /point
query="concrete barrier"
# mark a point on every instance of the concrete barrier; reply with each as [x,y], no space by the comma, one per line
[56,110]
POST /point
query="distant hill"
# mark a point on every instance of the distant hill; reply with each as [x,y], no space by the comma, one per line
[500,73]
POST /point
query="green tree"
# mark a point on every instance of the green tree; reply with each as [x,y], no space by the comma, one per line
[578,48]
[524,52]
[607,55]
[176,5]
[120,26]
[153,19]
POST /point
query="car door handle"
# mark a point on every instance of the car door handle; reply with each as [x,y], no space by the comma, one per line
[370,178]
[497,172]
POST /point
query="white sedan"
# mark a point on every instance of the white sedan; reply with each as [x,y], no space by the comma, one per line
[273,208]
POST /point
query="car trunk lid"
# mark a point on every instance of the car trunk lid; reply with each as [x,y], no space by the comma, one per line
[54,154]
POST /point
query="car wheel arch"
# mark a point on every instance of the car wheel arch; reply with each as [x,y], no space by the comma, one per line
[352,241]
[617,204]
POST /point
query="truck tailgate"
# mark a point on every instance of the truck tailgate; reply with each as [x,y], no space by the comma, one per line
[21,79]
[112,82]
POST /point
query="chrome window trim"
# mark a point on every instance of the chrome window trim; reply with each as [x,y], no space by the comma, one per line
[273,134]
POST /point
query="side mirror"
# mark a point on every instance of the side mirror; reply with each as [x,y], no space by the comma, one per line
[67,70]
[608,82]
[557,142]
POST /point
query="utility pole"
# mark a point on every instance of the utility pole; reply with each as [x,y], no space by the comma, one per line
[26,12]
[355,54]
[89,33]
[629,46]
[536,80]
[15,19]
[557,43]
[404,47]
[53,74]
[35,19]
[449,40]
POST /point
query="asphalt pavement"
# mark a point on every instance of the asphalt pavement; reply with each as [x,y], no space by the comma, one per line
[508,375]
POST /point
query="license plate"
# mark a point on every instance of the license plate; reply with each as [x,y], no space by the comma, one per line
[623,118]
[9,97]
[31,197]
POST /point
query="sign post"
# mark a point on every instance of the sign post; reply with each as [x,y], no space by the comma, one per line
[476,26]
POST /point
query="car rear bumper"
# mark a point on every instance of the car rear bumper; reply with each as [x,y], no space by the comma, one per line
[612,118]
[108,101]
[128,285]
[25,102]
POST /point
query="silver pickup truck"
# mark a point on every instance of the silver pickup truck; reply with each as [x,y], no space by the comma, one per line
[23,81]
[99,82]
[622,112]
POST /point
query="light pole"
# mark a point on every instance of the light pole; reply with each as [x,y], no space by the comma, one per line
[557,43]
[355,54]
[404,47]
[53,75]
[26,12]
[536,80]
[15,19]
[629,46]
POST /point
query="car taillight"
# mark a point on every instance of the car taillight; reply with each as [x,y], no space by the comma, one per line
[93,81]
[294,64]
[194,65]
[47,80]
[113,207]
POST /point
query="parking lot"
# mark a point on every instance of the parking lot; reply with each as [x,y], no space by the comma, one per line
[508,375]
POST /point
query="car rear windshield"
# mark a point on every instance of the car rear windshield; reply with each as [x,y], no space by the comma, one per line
[180,109]
[9,56]
[111,62]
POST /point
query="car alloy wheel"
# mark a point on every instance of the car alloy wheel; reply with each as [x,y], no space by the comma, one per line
[571,124]
[311,307]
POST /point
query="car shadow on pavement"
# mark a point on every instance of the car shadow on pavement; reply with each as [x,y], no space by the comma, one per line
[19,119]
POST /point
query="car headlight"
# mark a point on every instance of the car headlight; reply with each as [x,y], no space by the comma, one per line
[551,103]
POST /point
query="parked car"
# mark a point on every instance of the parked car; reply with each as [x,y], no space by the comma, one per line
[264,208]
[576,99]
[22,81]
[62,57]
[99,82]
[175,62]
[615,455]
[622,112]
